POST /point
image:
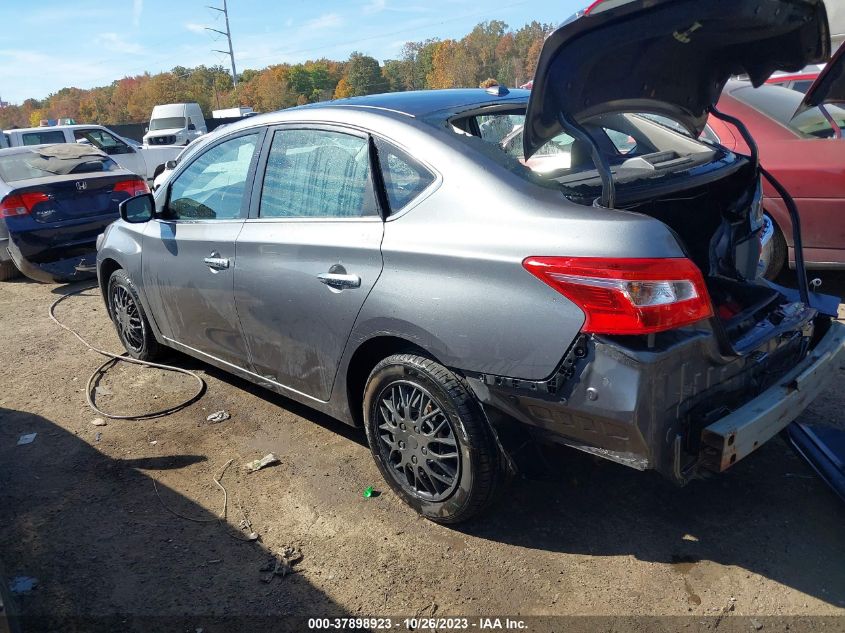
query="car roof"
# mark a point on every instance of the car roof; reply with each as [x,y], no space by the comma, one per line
[43,128]
[419,103]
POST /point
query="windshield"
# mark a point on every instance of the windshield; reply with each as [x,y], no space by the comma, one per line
[168,123]
[781,103]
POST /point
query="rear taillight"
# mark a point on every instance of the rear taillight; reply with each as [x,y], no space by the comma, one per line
[21,203]
[133,187]
[627,296]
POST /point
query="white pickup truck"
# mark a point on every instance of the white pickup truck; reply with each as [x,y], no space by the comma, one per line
[140,159]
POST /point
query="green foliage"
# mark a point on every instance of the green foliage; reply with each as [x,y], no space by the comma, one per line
[490,50]
[364,75]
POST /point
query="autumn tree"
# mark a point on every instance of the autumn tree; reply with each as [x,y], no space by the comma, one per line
[490,50]
[363,74]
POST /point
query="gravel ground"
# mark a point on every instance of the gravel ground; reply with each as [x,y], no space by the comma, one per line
[81,514]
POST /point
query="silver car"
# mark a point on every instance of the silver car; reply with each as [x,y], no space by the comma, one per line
[458,271]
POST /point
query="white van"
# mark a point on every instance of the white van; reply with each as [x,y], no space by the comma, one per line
[175,124]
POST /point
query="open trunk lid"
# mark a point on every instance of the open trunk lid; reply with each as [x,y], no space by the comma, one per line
[666,57]
[829,87]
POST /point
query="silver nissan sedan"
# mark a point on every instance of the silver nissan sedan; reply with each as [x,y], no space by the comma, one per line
[458,271]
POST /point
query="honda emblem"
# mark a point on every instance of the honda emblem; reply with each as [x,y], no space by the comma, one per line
[81,185]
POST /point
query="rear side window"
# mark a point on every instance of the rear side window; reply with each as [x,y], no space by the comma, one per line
[317,174]
[213,186]
[802,85]
[404,177]
[42,138]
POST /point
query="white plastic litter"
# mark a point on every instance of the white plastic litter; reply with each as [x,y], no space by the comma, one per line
[258,464]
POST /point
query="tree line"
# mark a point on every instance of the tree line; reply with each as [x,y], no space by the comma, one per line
[490,51]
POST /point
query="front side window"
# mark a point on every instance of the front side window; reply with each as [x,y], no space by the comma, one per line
[404,178]
[41,138]
[212,187]
[103,140]
[317,174]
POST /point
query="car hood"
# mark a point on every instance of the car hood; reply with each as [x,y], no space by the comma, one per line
[829,87]
[667,57]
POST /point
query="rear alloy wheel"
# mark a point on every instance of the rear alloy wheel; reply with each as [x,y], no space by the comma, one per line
[129,319]
[430,439]
[8,271]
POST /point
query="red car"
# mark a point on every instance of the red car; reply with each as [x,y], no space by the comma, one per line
[800,81]
[800,139]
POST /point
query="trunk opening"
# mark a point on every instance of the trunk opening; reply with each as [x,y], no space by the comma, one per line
[718,223]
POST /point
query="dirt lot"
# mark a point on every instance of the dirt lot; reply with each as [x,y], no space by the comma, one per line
[80,512]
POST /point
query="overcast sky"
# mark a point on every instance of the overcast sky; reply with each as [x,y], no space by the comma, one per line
[46,45]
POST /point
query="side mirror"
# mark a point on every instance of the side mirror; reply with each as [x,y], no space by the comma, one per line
[191,127]
[138,209]
[146,129]
[171,164]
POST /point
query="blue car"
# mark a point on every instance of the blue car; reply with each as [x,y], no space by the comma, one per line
[54,202]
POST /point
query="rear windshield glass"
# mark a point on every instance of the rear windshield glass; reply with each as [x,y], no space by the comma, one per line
[635,146]
[781,103]
[26,165]
[168,123]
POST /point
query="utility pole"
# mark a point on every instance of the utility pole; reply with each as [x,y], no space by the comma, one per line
[228,34]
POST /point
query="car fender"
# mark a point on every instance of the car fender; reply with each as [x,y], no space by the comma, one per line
[122,244]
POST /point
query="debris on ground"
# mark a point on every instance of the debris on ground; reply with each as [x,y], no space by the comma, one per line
[756,624]
[22,584]
[98,422]
[257,464]
[281,564]
[218,416]
[153,442]
[26,438]
[370,493]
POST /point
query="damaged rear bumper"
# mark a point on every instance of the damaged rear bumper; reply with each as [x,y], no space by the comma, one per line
[77,268]
[745,429]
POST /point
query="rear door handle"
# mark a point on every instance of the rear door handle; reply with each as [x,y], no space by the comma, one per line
[340,281]
[216,263]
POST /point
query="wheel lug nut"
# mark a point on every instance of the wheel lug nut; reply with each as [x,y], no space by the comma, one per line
[402,445]
[414,458]
[424,451]
[402,426]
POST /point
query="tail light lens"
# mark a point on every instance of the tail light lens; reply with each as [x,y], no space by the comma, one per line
[133,187]
[628,296]
[21,203]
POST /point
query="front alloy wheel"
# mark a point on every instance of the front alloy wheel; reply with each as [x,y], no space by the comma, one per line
[430,439]
[129,319]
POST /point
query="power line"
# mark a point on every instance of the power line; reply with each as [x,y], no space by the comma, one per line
[228,34]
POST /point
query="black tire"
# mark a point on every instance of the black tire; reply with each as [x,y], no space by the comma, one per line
[129,319]
[8,271]
[477,466]
[778,259]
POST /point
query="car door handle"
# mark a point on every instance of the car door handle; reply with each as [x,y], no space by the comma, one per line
[340,281]
[217,263]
